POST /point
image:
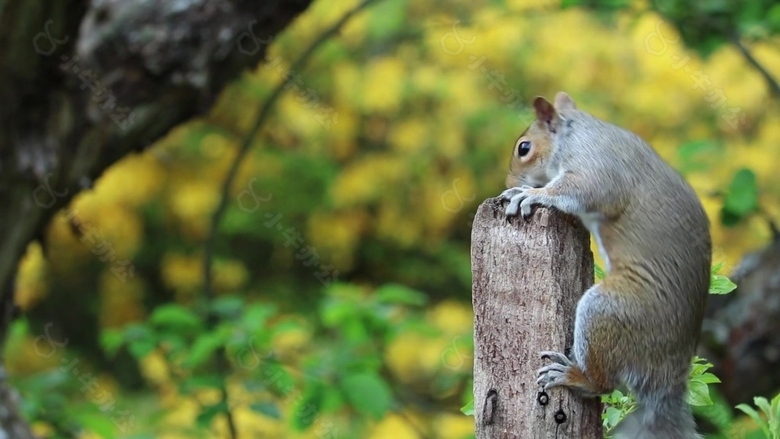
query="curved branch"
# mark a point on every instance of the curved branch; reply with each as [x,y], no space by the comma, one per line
[219,212]
[774,86]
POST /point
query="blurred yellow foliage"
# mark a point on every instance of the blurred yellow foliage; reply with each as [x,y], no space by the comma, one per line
[182,272]
[420,140]
[383,86]
[394,427]
[31,285]
[120,302]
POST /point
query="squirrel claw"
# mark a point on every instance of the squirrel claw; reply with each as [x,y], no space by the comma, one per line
[516,197]
[556,357]
[553,374]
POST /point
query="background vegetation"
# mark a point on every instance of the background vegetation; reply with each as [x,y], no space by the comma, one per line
[341,281]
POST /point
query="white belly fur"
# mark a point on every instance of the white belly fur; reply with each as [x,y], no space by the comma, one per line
[592,223]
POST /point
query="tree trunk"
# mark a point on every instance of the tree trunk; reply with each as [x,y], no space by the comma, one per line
[82,84]
[527,279]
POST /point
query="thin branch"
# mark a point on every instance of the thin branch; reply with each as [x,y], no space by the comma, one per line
[219,212]
[774,86]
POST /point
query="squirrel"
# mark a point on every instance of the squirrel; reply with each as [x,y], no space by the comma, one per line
[640,326]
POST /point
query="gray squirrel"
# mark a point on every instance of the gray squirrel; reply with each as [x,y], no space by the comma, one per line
[640,326]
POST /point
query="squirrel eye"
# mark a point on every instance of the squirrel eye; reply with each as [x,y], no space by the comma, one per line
[523,148]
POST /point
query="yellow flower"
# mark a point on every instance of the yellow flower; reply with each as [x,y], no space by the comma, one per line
[452,317]
[346,84]
[120,302]
[192,203]
[229,275]
[143,170]
[453,426]
[154,368]
[394,426]
[364,179]
[383,88]
[182,272]
[338,234]
[413,357]
[31,285]
[410,136]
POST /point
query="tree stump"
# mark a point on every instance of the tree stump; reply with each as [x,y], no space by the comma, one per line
[527,279]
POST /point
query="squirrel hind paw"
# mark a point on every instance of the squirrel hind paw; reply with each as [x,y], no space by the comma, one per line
[552,375]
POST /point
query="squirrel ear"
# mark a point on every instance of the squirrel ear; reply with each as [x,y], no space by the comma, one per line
[564,102]
[545,112]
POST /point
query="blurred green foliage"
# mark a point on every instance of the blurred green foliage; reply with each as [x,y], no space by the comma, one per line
[342,270]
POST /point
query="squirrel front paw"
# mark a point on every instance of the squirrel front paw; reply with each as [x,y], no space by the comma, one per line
[521,199]
[554,374]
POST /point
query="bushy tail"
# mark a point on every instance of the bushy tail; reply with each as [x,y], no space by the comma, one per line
[659,419]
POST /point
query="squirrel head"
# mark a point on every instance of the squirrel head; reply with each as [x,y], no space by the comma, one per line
[532,151]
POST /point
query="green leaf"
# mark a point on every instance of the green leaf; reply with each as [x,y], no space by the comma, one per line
[141,348]
[708,378]
[468,409]
[368,394]
[698,393]
[228,306]
[750,411]
[196,382]
[773,18]
[277,379]
[396,293]
[336,311]
[209,413]
[111,340]
[205,345]
[613,416]
[266,408]
[96,422]
[308,408]
[698,155]
[176,316]
[387,18]
[720,284]
[742,196]
[598,271]
[763,404]
[256,315]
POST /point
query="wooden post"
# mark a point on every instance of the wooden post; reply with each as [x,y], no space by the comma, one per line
[527,279]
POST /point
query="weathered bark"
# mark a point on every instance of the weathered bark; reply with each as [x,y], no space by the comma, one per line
[142,67]
[527,279]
